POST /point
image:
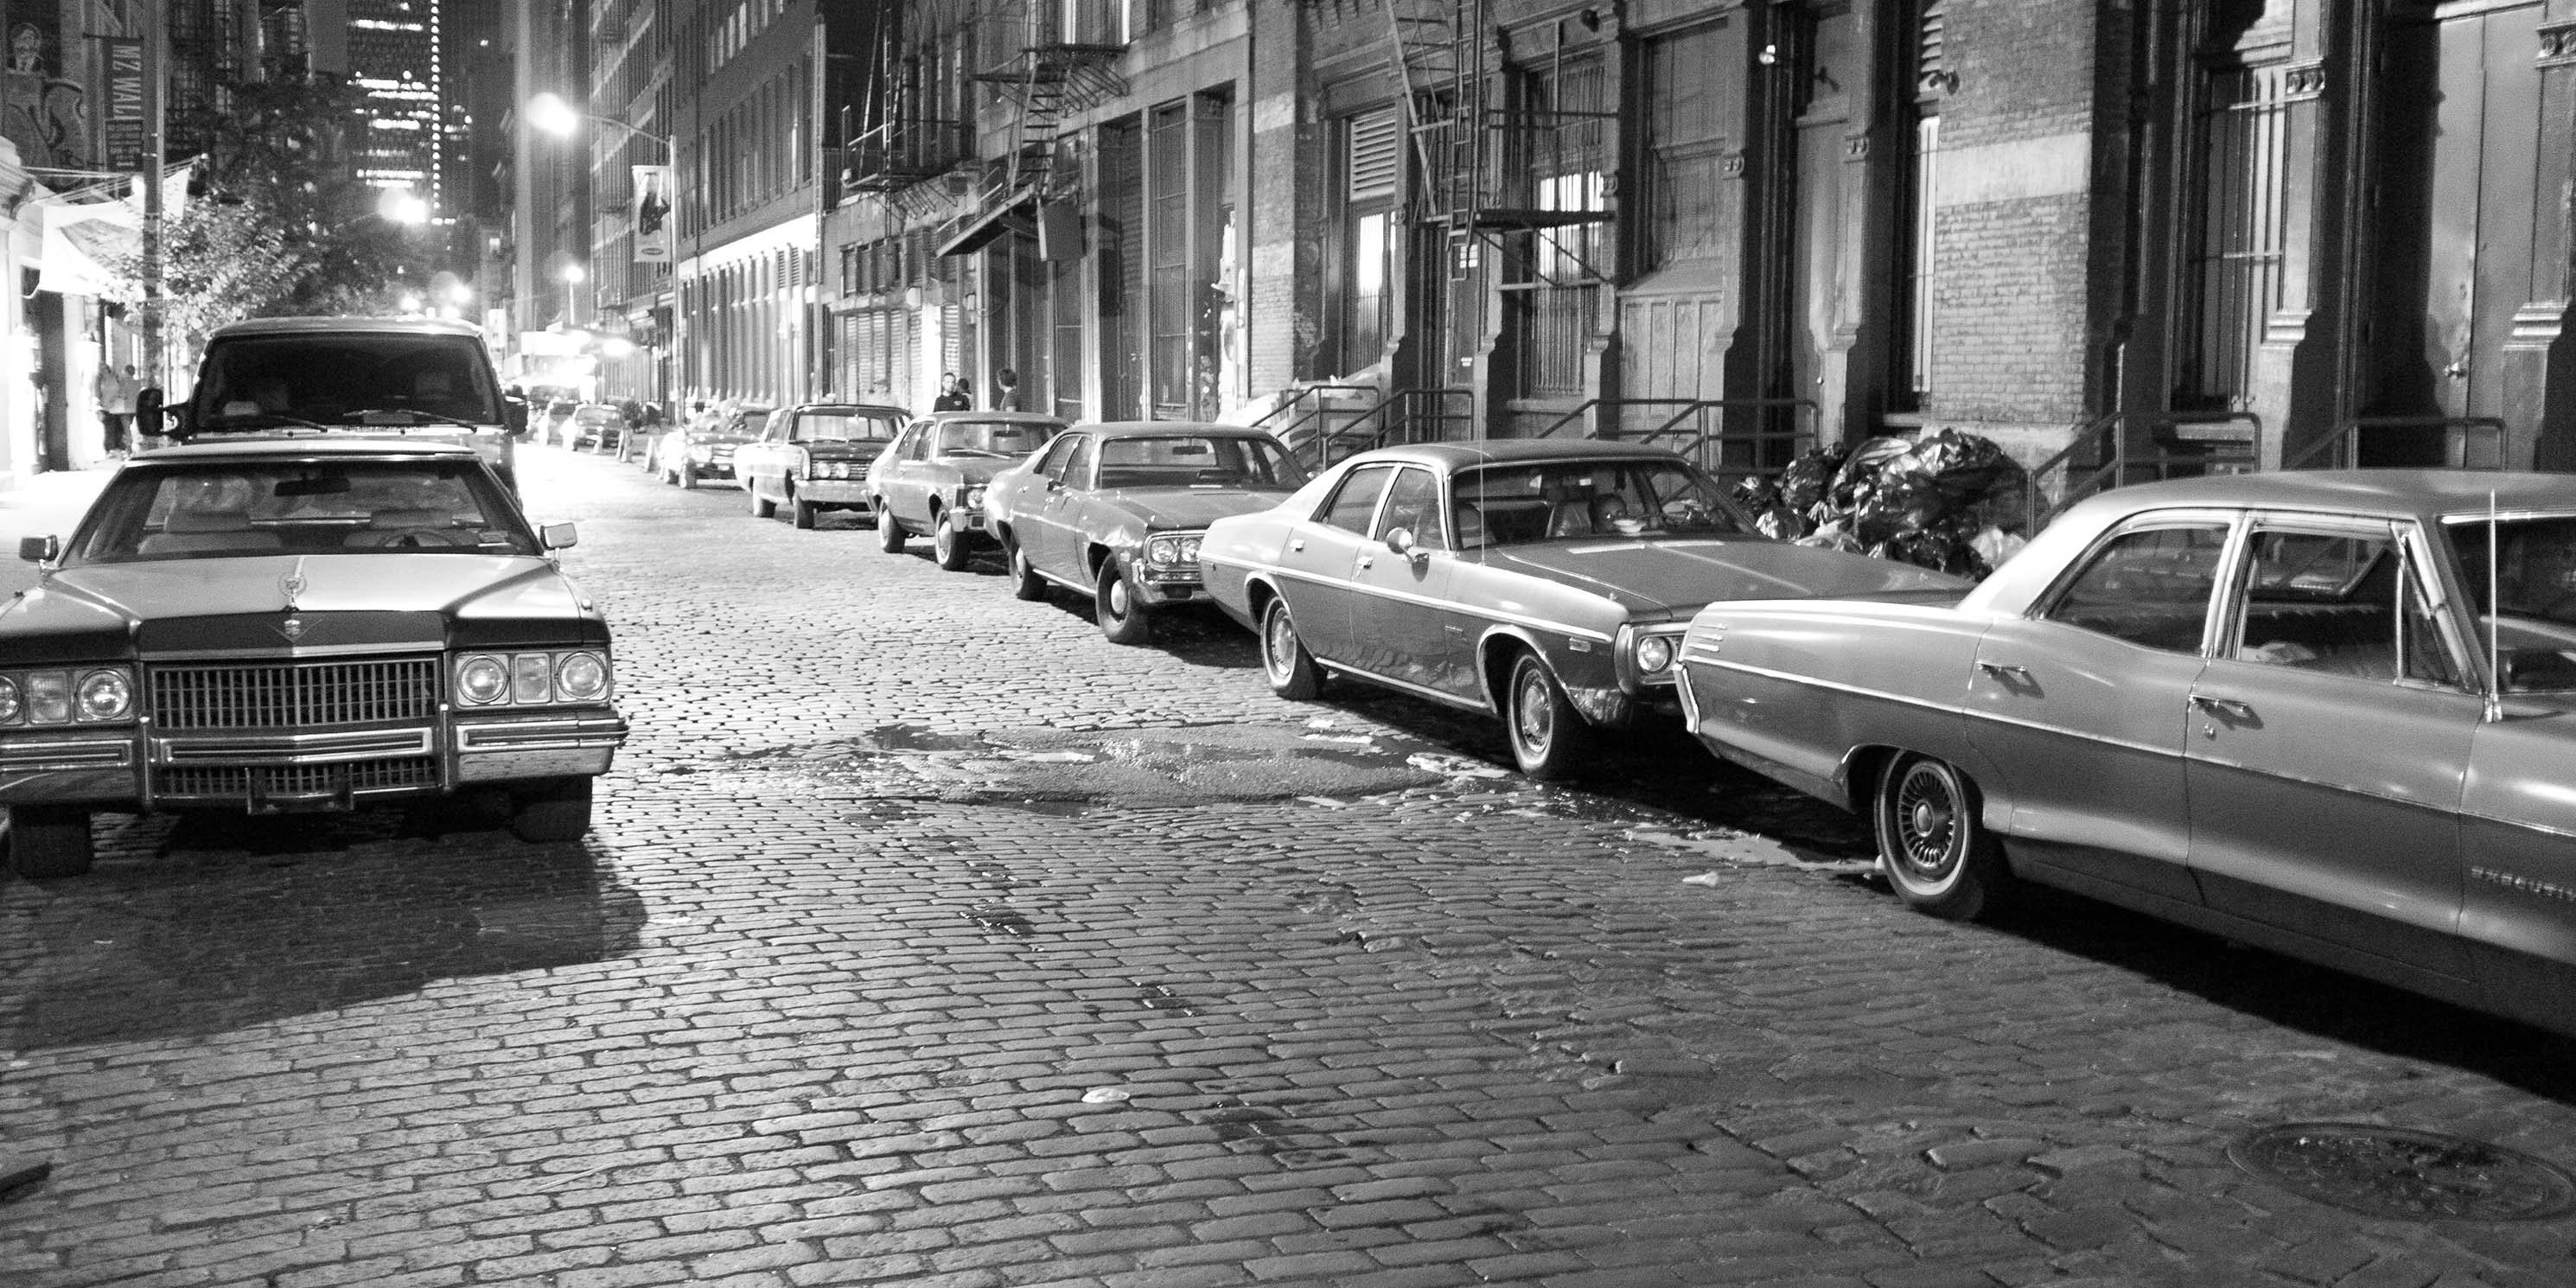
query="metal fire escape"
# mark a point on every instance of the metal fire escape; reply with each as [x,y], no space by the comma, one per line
[1044,81]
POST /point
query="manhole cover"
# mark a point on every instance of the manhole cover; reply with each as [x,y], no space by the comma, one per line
[2414,1175]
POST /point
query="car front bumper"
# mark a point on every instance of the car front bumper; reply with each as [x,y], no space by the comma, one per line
[851,492]
[267,772]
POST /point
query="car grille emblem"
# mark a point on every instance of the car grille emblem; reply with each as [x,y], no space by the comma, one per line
[292,628]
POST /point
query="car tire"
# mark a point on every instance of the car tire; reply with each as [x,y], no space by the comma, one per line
[889,529]
[948,544]
[761,507]
[687,476]
[49,840]
[1932,845]
[554,811]
[1025,581]
[1122,619]
[1291,669]
[803,512]
[1547,734]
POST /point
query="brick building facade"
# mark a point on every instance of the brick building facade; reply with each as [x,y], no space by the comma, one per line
[2258,232]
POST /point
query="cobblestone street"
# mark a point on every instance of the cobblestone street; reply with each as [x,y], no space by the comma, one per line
[926,938]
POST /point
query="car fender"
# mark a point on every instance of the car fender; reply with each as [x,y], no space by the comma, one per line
[1588,678]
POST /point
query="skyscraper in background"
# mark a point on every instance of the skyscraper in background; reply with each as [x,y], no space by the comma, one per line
[396,56]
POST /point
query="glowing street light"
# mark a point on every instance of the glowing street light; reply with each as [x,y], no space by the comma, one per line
[550,114]
[401,206]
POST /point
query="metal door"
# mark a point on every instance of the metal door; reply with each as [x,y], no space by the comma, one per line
[2481,199]
[1316,566]
[1398,603]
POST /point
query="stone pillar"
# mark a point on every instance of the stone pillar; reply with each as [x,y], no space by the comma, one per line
[2292,386]
[1287,166]
[2539,360]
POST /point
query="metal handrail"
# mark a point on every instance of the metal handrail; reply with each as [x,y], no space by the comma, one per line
[1398,417]
[2106,439]
[1704,446]
[1317,393]
[2345,442]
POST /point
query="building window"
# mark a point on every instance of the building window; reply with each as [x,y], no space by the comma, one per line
[1556,155]
[1917,277]
[1373,160]
[1685,149]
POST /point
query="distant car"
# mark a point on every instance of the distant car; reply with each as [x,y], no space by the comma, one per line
[296,625]
[1116,511]
[933,478]
[2329,713]
[813,458]
[1546,582]
[418,379]
[592,424]
[685,454]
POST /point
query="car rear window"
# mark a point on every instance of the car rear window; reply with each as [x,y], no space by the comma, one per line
[1197,460]
[344,378]
[842,427]
[991,438]
[205,510]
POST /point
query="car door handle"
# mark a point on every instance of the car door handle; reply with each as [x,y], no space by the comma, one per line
[1368,561]
[2005,671]
[2228,707]
[1298,544]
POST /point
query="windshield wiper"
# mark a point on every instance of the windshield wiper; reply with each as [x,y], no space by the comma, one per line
[432,416]
[229,422]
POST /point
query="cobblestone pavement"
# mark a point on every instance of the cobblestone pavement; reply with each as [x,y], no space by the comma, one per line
[927,939]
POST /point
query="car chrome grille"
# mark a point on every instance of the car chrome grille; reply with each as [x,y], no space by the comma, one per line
[234,782]
[294,695]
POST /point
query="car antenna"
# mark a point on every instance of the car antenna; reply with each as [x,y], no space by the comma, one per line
[2495,611]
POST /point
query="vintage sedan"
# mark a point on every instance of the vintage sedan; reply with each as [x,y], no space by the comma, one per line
[814,458]
[685,455]
[2330,713]
[1544,581]
[296,625]
[932,479]
[1116,511]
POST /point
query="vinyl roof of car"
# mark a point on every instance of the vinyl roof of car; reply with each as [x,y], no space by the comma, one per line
[870,408]
[2374,491]
[1489,451]
[1163,428]
[328,326]
[304,444]
[1022,418]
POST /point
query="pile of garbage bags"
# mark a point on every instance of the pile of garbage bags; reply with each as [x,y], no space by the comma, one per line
[1939,501]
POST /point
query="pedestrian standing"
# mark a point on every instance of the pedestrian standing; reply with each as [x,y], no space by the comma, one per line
[952,395]
[116,404]
[1009,397]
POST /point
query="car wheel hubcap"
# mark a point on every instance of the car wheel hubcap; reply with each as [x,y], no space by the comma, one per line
[1282,640]
[1118,597]
[1535,718]
[1928,820]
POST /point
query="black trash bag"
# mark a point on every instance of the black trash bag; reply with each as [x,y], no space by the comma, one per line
[1861,472]
[1941,548]
[1898,503]
[1969,469]
[1772,515]
[1805,482]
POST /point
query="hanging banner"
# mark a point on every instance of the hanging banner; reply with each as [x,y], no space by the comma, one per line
[651,214]
[124,123]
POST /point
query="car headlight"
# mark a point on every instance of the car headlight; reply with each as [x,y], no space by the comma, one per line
[106,695]
[532,679]
[12,705]
[1654,653]
[974,499]
[1172,550]
[49,697]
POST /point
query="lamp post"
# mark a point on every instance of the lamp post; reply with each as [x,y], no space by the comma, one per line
[573,275]
[551,114]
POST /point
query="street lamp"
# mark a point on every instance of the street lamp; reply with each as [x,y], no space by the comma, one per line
[573,276]
[400,205]
[548,112]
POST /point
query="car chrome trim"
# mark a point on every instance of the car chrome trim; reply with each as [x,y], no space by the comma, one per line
[526,735]
[1408,686]
[1929,705]
[32,755]
[302,748]
[1428,601]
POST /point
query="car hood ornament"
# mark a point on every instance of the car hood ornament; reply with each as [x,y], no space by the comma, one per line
[292,585]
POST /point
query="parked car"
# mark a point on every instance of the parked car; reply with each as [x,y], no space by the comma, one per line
[592,424]
[2330,713]
[814,458]
[686,454]
[302,624]
[1116,511]
[933,478]
[419,379]
[1546,582]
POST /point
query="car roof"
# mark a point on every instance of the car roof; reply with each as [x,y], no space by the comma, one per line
[1489,451]
[330,325]
[1166,428]
[306,444]
[867,408]
[1018,418]
[2374,491]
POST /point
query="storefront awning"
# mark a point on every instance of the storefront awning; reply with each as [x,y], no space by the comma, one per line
[1014,216]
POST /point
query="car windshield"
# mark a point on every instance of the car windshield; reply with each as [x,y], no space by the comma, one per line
[218,509]
[1198,460]
[1513,505]
[352,378]
[2535,577]
[991,438]
[842,427]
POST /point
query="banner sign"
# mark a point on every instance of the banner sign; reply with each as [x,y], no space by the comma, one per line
[124,118]
[651,214]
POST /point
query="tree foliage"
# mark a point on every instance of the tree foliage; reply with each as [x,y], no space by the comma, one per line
[281,224]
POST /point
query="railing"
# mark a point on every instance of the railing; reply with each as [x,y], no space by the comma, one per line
[900,153]
[1404,416]
[2104,456]
[1726,454]
[2343,448]
[1309,411]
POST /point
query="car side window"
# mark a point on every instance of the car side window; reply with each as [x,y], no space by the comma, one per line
[1077,469]
[2149,586]
[2341,603]
[1355,501]
[1414,503]
[1052,467]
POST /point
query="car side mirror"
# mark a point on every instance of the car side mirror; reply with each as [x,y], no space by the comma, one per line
[40,549]
[558,536]
[148,414]
[1400,540]
[1055,483]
